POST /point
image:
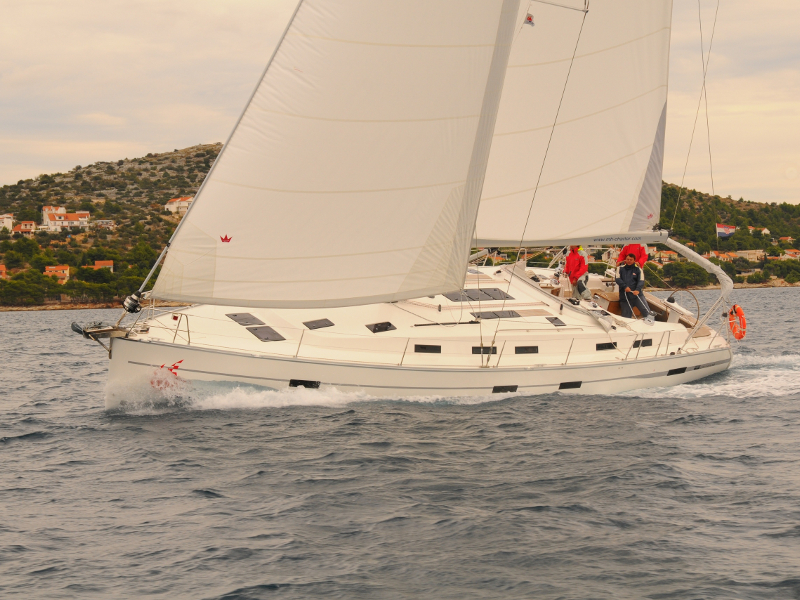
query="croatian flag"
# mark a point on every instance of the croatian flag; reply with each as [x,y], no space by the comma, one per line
[529,19]
[725,231]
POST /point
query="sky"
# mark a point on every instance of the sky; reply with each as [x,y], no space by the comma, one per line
[90,80]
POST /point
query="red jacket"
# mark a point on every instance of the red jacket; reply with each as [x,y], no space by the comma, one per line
[639,251]
[576,266]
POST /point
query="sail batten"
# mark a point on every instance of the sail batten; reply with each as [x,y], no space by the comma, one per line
[355,173]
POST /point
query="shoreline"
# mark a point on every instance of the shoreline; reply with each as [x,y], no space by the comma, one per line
[98,305]
[81,306]
[736,286]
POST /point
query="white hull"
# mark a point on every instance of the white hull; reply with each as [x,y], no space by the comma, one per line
[205,343]
[134,362]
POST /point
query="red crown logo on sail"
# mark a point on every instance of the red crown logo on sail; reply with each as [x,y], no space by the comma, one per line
[225,239]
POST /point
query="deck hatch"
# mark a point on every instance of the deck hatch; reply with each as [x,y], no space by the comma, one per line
[526,350]
[484,350]
[642,343]
[266,334]
[570,385]
[318,324]
[427,349]
[245,319]
[496,314]
[607,346]
[380,327]
[475,295]
[680,371]
[304,383]
[504,389]
[556,321]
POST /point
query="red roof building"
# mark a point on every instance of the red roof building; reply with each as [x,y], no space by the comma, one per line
[61,272]
[59,221]
[104,264]
[179,205]
[26,228]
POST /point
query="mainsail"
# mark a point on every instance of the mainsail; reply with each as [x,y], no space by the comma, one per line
[355,172]
[602,172]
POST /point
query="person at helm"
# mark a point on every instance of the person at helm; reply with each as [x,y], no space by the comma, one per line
[578,272]
[630,279]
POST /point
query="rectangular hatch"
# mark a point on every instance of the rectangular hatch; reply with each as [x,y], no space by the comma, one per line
[318,324]
[496,314]
[266,334]
[474,295]
[245,319]
[381,327]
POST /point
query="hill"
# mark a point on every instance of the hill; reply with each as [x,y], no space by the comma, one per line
[132,192]
[699,212]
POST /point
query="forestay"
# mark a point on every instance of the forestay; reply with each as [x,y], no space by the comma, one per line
[354,174]
[602,174]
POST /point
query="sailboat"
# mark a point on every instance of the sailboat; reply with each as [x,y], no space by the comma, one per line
[330,244]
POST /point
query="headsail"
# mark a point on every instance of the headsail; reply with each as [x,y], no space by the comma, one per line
[602,174]
[355,172]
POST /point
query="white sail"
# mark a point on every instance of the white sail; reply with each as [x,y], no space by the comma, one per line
[354,174]
[602,174]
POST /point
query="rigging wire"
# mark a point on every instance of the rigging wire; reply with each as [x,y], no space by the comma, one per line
[704,60]
[541,170]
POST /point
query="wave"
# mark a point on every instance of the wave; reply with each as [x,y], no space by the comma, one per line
[201,395]
[749,376]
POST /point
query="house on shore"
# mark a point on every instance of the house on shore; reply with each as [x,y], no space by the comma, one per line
[58,221]
[7,221]
[26,229]
[752,255]
[104,264]
[60,272]
[179,205]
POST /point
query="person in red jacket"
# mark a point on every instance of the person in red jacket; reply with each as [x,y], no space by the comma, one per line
[578,273]
[638,251]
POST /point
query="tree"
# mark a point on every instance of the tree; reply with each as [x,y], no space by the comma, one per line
[14,260]
[142,255]
[686,274]
[94,275]
[757,277]
[40,261]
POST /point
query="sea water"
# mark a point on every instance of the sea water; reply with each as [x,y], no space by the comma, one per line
[242,493]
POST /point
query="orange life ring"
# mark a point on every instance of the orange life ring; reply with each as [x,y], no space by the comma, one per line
[737,322]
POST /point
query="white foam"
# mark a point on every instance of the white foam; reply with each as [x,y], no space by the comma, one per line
[140,397]
[749,376]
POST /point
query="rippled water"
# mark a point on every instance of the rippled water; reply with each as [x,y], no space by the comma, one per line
[686,492]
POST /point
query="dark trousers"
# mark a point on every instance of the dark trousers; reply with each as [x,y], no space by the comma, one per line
[633,301]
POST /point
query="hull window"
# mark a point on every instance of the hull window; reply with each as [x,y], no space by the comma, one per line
[680,371]
[304,383]
[427,349]
[484,350]
[504,389]
[642,343]
[570,385]
[607,346]
[526,350]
